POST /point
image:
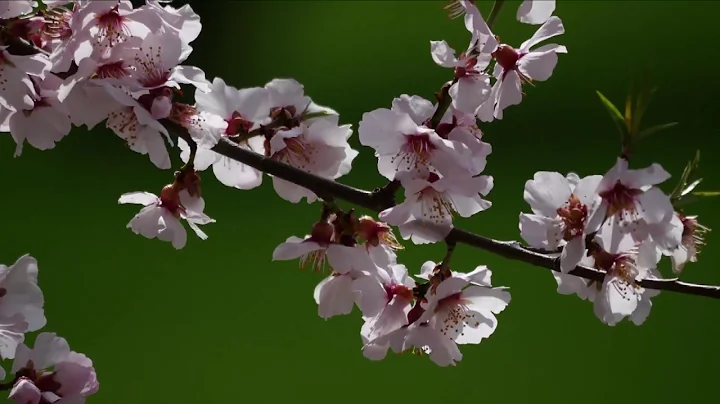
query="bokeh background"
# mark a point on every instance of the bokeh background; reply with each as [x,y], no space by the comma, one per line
[219,322]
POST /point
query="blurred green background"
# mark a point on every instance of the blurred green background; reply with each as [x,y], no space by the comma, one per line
[219,322]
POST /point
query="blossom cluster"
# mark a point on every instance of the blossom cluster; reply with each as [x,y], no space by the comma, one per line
[71,64]
[49,372]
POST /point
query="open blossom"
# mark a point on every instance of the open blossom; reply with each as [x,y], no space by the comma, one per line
[632,198]
[516,67]
[132,122]
[50,369]
[45,123]
[691,242]
[160,216]
[535,11]
[384,296]
[287,96]
[455,126]
[625,263]
[21,304]
[472,85]
[183,21]
[242,111]
[318,248]
[320,147]
[101,25]
[561,207]
[457,311]
[156,64]
[17,91]
[434,199]
[403,145]
[463,312]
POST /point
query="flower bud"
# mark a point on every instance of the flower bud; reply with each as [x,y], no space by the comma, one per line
[322,232]
[170,198]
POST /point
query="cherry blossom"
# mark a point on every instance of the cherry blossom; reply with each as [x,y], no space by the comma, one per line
[156,65]
[320,147]
[287,96]
[631,196]
[17,91]
[105,24]
[435,199]
[160,216]
[465,312]
[242,111]
[21,303]
[535,11]
[524,65]
[561,206]
[472,85]
[691,242]
[625,262]
[132,122]
[183,21]
[45,123]
[402,145]
[54,370]
[455,126]
[384,296]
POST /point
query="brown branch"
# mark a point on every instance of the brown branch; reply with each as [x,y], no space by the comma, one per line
[376,201]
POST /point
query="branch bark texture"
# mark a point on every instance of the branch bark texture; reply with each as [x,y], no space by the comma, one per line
[381,199]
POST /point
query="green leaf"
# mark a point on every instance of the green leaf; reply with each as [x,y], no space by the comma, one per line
[655,129]
[690,187]
[706,193]
[615,114]
[641,105]
[689,170]
[629,114]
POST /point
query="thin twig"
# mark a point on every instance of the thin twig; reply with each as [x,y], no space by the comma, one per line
[508,249]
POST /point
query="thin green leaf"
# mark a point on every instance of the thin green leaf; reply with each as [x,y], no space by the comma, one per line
[690,187]
[686,174]
[641,105]
[706,193]
[629,114]
[615,114]
[655,129]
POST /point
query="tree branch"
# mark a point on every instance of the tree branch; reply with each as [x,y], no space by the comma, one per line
[377,201]
[383,198]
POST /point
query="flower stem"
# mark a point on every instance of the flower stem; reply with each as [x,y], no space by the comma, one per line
[494,12]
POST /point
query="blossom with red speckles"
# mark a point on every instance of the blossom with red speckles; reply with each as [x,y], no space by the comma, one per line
[625,262]
[320,147]
[472,85]
[21,303]
[630,196]
[426,214]
[51,370]
[561,207]
[43,124]
[402,145]
[242,111]
[160,217]
[524,65]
